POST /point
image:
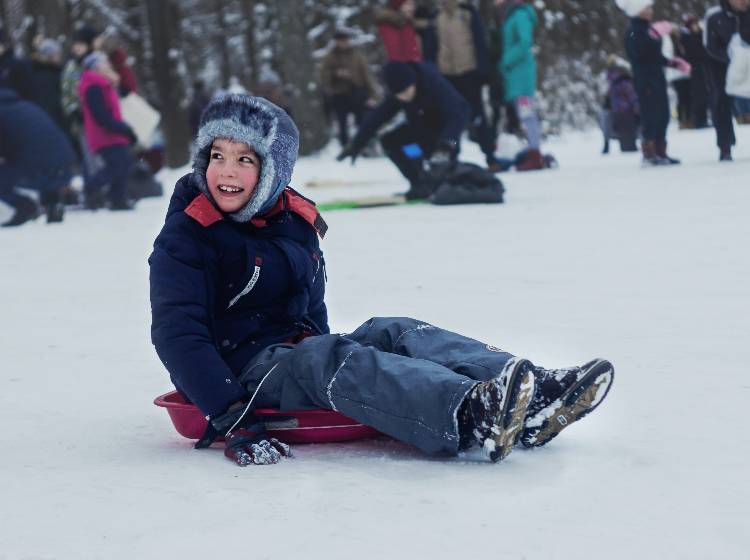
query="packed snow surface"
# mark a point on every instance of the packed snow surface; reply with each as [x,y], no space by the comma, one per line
[647,268]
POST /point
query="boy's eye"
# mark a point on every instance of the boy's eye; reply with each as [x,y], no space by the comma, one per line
[215,155]
[247,159]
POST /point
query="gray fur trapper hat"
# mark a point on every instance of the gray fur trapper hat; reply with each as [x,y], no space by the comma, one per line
[263,126]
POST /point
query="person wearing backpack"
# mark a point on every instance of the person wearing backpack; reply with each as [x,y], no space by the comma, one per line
[722,22]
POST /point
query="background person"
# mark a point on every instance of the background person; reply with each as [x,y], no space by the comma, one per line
[107,135]
[643,44]
[436,116]
[722,22]
[35,154]
[518,68]
[347,83]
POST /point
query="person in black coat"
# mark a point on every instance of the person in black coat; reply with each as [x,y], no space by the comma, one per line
[239,319]
[436,115]
[643,44]
[723,21]
[15,73]
[691,38]
[46,73]
[34,154]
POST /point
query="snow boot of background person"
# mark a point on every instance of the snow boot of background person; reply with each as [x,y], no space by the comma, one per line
[53,206]
[661,151]
[493,413]
[625,125]
[564,396]
[725,153]
[650,157]
[25,209]
[531,161]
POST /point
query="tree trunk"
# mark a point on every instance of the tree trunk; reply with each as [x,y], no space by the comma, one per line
[48,19]
[297,69]
[251,61]
[163,22]
[220,38]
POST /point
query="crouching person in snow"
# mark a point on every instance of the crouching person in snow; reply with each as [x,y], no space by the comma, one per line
[239,319]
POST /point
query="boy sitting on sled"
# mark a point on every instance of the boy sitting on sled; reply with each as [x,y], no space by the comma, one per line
[239,319]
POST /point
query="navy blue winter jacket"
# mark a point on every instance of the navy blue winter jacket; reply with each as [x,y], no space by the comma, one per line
[437,108]
[646,58]
[29,138]
[221,291]
[721,23]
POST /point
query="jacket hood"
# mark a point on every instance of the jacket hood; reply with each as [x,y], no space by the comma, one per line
[264,127]
[522,7]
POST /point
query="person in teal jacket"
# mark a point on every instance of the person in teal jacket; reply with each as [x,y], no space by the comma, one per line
[518,68]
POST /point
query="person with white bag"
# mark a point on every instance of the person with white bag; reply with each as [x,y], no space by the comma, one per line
[727,31]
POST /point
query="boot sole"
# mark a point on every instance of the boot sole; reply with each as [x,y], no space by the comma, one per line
[520,391]
[579,400]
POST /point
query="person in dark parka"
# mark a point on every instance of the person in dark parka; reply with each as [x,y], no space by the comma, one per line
[436,115]
[46,73]
[643,44]
[239,319]
[34,154]
[15,73]
[723,21]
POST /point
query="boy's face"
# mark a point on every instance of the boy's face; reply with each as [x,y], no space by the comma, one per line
[739,5]
[232,174]
[647,13]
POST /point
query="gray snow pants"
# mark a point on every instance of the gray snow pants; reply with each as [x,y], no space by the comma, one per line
[401,376]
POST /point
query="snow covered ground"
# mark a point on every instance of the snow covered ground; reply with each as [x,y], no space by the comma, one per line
[648,268]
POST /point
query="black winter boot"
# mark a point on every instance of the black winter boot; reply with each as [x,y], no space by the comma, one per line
[564,396]
[494,411]
[53,207]
[25,210]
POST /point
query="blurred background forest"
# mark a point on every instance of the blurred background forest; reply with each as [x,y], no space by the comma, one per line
[249,43]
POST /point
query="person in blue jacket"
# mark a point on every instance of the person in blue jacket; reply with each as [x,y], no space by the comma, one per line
[436,115]
[239,319]
[35,154]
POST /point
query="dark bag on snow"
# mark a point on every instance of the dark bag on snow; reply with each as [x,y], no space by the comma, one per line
[142,183]
[469,184]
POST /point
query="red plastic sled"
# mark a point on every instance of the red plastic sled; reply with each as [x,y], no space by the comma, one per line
[302,426]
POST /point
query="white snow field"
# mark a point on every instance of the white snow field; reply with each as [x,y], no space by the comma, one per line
[648,268]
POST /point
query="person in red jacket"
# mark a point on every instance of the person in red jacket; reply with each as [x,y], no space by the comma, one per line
[107,135]
[396,26]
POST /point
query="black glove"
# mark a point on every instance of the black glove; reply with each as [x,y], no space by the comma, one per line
[348,151]
[246,447]
[246,441]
